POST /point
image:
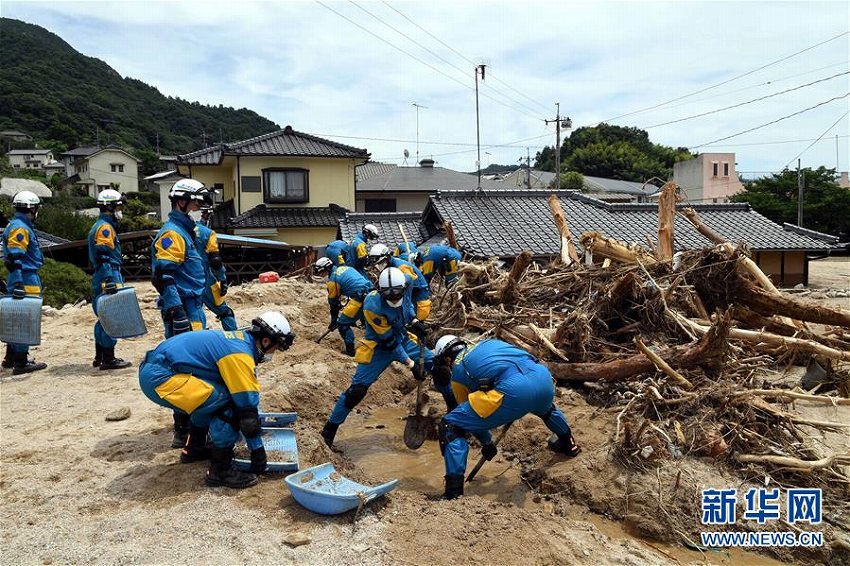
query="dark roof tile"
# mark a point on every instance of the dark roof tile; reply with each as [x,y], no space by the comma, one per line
[262,216]
[387,224]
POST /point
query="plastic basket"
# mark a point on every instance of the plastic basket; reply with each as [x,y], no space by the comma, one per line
[120,315]
[20,320]
[322,490]
[281,450]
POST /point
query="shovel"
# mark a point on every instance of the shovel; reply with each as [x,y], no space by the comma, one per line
[480,463]
[328,331]
[417,427]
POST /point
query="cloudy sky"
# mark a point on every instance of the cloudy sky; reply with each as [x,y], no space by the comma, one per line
[351,70]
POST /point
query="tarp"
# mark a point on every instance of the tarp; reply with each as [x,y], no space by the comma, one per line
[10,186]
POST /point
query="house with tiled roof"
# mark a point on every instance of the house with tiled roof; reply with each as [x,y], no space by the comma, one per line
[99,168]
[389,224]
[504,223]
[285,185]
[407,189]
[602,188]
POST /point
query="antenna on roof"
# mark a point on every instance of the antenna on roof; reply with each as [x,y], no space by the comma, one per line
[406,155]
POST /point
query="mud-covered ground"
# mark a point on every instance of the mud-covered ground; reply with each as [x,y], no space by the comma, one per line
[78,489]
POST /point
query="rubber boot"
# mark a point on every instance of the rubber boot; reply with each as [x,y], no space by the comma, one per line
[329,432]
[98,356]
[196,448]
[111,362]
[9,359]
[24,365]
[454,487]
[181,430]
[564,444]
[221,472]
[350,349]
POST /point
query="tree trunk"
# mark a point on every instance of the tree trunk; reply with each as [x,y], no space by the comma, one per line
[569,254]
[694,218]
[666,214]
[508,294]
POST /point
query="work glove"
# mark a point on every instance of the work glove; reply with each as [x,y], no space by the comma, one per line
[18,292]
[416,370]
[109,287]
[488,451]
[11,264]
[442,375]
[222,288]
[259,462]
[418,329]
[249,422]
[179,321]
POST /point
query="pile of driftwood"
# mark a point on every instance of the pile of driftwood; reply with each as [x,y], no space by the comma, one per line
[679,346]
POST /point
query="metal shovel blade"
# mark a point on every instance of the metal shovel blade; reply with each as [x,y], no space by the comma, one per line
[416,430]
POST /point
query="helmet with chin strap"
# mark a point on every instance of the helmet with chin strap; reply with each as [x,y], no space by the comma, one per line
[273,325]
[378,254]
[392,284]
[188,189]
[322,265]
[26,201]
[109,197]
[448,347]
[370,232]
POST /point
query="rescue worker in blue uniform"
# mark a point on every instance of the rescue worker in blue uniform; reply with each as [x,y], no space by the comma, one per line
[210,376]
[336,251]
[404,251]
[215,287]
[419,292]
[344,282]
[357,255]
[106,259]
[438,259]
[388,338]
[495,383]
[22,257]
[178,275]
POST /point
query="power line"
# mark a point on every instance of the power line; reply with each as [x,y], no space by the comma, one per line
[461,55]
[412,56]
[778,142]
[399,140]
[817,140]
[842,34]
[772,121]
[747,102]
[437,55]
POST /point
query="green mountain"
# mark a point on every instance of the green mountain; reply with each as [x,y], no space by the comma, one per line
[62,98]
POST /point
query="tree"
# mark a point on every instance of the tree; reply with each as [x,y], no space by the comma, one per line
[572,180]
[614,152]
[826,205]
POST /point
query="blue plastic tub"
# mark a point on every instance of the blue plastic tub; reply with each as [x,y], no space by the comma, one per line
[281,450]
[120,315]
[277,420]
[322,490]
[20,320]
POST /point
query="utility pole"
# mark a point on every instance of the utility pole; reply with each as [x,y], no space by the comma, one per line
[418,106]
[478,122]
[528,168]
[836,155]
[566,123]
[800,180]
[157,143]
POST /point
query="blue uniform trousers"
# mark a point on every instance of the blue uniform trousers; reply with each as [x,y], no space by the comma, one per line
[529,390]
[213,413]
[32,287]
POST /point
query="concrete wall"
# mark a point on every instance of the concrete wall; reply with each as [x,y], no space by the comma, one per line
[404,202]
[699,182]
[97,170]
[689,176]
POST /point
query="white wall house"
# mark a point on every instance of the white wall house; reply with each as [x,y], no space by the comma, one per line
[710,178]
[104,168]
[32,159]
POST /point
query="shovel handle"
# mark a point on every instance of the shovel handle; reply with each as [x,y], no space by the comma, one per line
[481,461]
[328,331]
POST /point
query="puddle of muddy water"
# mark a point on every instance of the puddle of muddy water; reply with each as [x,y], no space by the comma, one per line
[374,442]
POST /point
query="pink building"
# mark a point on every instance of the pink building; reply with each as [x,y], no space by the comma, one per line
[710,178]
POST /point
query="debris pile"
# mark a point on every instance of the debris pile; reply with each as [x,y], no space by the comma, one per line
[679,349]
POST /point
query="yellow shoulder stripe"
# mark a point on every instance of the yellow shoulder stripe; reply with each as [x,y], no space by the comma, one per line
[361,250]
[237,371]
[333,290]
[171,247]
[376,321]
[427,267]
[212,244]
[460,391]
[105,236]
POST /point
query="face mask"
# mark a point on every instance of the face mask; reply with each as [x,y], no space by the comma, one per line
[395,304]
[196,215]
[119,215]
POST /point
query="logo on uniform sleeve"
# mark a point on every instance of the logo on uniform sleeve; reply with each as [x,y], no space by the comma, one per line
[20,237]
[166,243]
[105,232]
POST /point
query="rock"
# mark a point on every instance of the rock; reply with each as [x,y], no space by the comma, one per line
[119,414]
[817,295]
[297,539]
[47,310]
[799,286]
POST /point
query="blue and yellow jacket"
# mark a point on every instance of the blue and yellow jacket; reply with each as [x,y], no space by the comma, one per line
[207,241]
[176,265]
[217,356]
[105,249]
[20,245]
[336,252]
[346,281]
[403,250]
[419,292]
[357,254]
[387,326]
[488,360]
[444,259]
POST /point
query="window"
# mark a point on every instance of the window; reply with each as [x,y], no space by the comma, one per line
[714,167]
[285,185]
[380,205]
[103,187]
[251,184]
[218,194]
[725,168]
[117,167]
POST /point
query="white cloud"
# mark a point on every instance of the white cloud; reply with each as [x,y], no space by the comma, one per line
[298,63]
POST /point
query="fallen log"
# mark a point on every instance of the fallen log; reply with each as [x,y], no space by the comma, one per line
[450,234]
[662,365]
[605,247]
[788,395]
[768,303]
[709,349]
[508,294]
[666,215]
[796,463]
[569,254]
[697,222]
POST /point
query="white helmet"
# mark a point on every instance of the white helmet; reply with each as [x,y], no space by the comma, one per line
[448,345]
[26,199]
[323,264]
[371,232]
[378,253]
[188,189]
[274,325]
[392,284]
[110,196]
